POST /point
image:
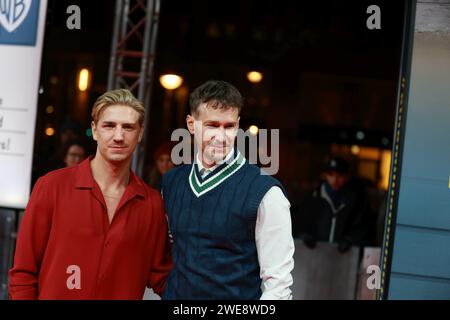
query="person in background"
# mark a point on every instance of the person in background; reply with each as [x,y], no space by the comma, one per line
[75,152]
[51,155]
[334,212]
[162,164]
[70,133]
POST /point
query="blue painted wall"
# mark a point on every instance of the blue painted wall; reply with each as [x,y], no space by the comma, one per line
[420,266]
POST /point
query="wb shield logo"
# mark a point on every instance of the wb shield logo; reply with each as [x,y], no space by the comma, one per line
[18,22]
[13,13]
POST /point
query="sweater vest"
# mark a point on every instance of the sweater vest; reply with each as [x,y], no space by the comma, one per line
[212,223]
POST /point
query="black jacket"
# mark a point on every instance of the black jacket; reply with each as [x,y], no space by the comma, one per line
[318,210]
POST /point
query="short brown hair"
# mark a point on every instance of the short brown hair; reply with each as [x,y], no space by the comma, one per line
[122,97]
[217,95]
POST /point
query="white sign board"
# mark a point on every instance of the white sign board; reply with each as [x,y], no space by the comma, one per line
[22,25]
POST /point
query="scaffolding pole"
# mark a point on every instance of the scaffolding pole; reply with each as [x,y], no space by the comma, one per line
[132,58]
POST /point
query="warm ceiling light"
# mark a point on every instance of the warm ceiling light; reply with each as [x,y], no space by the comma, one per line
[49,131]
[83,79]
[254,76]
[49,109]
[355,149]
[253,130]
[170,81]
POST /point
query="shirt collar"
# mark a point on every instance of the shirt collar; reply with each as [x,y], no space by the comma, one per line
[202,169]
[85,180]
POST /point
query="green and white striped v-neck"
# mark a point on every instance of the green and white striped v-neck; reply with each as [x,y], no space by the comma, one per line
[201,185]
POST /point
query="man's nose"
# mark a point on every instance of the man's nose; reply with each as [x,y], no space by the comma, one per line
[118,134]
[220,135]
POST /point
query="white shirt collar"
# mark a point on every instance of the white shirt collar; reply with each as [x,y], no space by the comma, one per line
[204,171]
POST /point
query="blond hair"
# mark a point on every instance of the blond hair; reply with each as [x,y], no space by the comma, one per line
[122,97]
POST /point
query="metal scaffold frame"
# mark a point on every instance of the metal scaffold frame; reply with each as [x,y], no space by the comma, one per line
[133,55]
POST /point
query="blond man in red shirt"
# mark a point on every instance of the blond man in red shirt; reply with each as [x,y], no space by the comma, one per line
[95,231]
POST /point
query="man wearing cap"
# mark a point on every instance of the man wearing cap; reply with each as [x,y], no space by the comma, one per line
[333,213]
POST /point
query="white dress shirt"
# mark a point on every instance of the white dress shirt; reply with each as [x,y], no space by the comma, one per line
[274,242]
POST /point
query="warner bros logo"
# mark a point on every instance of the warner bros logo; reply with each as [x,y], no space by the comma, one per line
[18,22]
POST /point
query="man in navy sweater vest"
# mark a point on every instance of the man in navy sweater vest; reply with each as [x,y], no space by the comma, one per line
[230,224]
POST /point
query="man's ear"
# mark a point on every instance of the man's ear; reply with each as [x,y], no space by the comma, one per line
[94,130]
[190,123]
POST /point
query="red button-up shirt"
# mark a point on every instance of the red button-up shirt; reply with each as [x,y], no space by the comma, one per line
[65,239]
